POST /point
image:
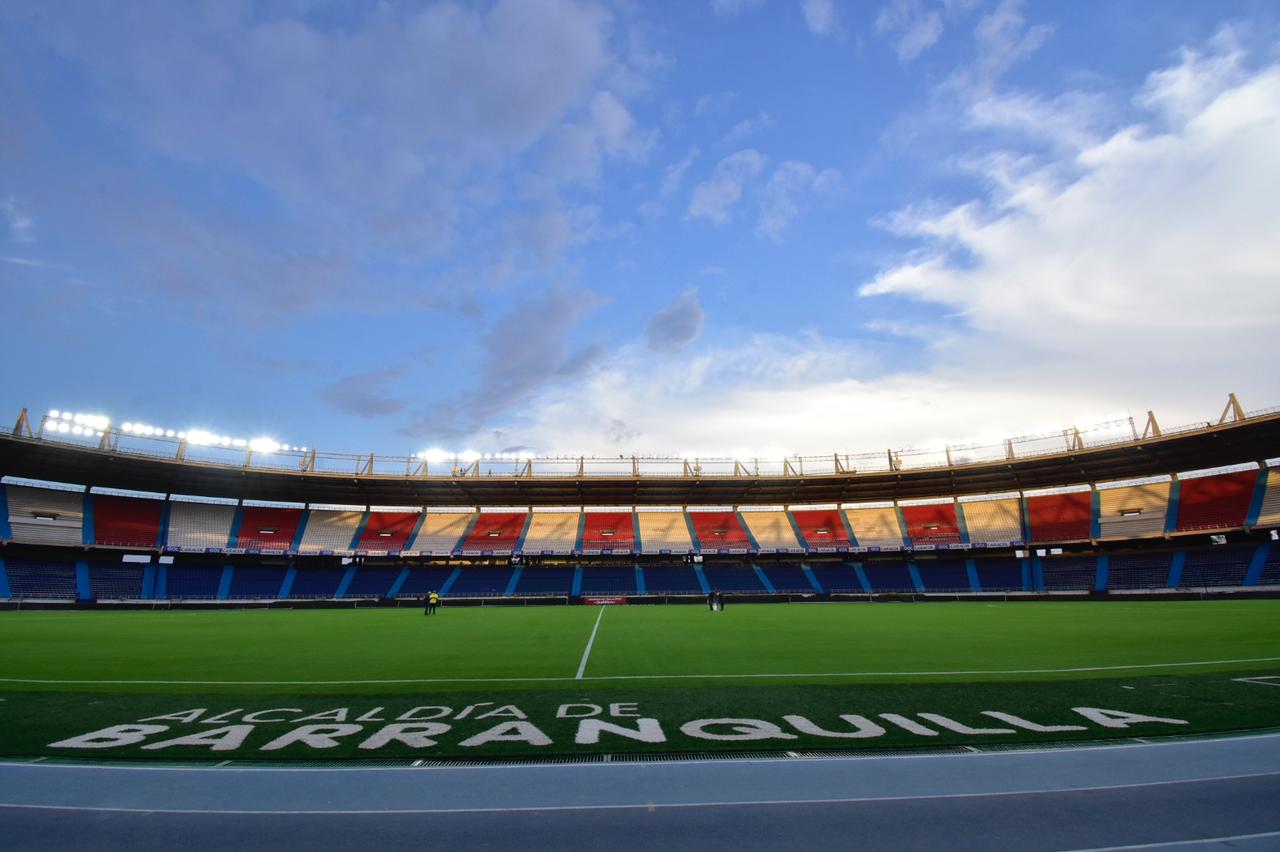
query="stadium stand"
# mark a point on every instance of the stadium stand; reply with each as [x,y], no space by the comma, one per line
[199,526]
[126,521]
[1270,575]
[889,576]
[46,515]
[371,582]
[494,532]
[115,581]
[609,531]
[193,582]
[837,578]
[269,528]
[1139,571]
[719,532]
[1133,511]
[551,580]
[1215,502]
[934,523]
[441,532]
[41,579]
[788,579]
[671,580]
[943,575]
[249,582]
[424,580]
[664,532]
[875,527]
[327,530]
[387,532]
[609,580]
[1269,511]
[993,521]
[999,575]
[772,531]
[1218,566]
[481,582]
[1070,573]
[552,532]
[1060,517]
[822,529]
[312,583]
[737,578]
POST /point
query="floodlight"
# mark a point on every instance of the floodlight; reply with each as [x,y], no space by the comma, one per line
[264,445]
[239,442]
[66,415]
[64,427]
[54,413]
[76,430]
[169,433]
[182,435]
[304,449]
[435,455]
[224,441]
[126,427]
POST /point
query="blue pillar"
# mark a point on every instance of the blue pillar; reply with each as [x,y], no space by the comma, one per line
[224,585]
[755,545]
[1095,514]
[1100,578]
[813,581]
[764,580]
[355,539]
[1175,569]
[6,533]
[971,568]
[303,520]
[448,584]
[413,534]
[395,587]
[346,580]
[862,578]
[524,531]
[795,529]
[582,530]
[286,586]
[848,527]
[1255,504]
[1171,511]
[640,587]
[914,571]
[149,581]
[162,582]
[693,535]
[576,589]
[635,532]
[961,522]
[87,531]
[902,526]
[236,521]
[162,540]
[1025,564]
[5,591]
[471,525]
[83,590]
[1026,521]
[702,579]
[515,581]
[1257,564]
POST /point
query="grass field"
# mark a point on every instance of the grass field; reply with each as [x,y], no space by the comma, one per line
[343,683]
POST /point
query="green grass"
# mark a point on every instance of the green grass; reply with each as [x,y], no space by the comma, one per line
[69,673]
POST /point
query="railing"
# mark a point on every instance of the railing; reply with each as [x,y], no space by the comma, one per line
[175,447]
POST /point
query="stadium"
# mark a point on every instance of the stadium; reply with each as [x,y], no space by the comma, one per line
[581,424]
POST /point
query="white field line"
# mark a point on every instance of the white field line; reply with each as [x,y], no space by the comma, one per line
[586,654]
[764,675]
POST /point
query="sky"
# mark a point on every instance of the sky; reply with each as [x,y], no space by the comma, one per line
[735,227]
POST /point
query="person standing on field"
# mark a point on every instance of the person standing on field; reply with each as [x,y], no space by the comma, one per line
[711,600]
[433,601]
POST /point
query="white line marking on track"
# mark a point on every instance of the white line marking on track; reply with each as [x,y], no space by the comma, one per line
[1164,844]
[744,676]
[586,654]
[637,805]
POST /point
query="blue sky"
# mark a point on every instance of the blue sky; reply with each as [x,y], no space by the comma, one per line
[724,227]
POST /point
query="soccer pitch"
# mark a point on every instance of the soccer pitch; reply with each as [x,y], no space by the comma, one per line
[504,681]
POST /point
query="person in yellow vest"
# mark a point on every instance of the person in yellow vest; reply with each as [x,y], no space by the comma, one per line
[433,601]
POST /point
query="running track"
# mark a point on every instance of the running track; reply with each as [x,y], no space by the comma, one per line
[1196,794]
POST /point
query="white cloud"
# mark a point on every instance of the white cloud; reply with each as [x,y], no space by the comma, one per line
[673,175]
[914,28]
[21,226]
[748,126]
[714,198]
[676,325]
[781,197]
[1138,271]
[733,7]
[821,17]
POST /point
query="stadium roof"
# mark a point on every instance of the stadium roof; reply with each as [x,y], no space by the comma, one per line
[670,482]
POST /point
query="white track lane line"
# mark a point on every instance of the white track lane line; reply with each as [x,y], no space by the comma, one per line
[586,654]
[743,676]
